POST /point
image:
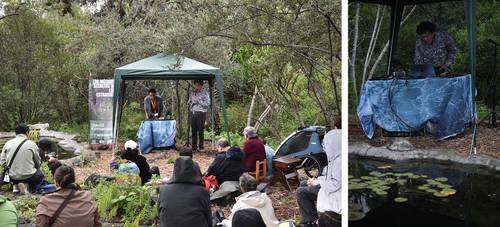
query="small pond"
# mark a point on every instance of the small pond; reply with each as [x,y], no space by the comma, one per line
[59,152]
[422,194]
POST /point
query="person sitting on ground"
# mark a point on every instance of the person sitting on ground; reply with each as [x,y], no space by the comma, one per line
[8,213]
[45,148]
[183,201]
[251,198]
[253,148]
[227,167]
[269,158]
[325,190]
[25,166]
[79,210]
[131,153]
[248,218]
[122,165]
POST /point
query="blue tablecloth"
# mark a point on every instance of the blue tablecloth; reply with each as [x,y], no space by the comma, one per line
[443,105]
[156,134]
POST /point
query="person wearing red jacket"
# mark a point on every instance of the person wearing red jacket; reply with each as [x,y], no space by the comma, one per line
[253,148]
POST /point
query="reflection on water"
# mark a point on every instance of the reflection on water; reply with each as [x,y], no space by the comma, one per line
[476,202]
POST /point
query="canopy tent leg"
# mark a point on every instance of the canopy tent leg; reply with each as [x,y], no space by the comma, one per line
[220,87]
[470,7]
[396,15]
[118,90]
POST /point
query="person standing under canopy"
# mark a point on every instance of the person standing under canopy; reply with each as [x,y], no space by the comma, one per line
[435,47]
[199,102]
[153,105]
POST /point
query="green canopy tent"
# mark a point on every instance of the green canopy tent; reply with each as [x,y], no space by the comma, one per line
[166,67]
[397,8]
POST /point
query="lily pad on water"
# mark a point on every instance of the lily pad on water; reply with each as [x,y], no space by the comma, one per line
[366,177]
[439,194]
[448,191]
[441,179]
[402,182]
[400,199]
[423,187]
[384,167]
[380,192]
[375,173]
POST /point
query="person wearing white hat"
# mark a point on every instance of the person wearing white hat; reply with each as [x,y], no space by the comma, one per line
[132,154]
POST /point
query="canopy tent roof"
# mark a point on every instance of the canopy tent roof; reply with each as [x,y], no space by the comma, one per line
[165,67]
[170,67]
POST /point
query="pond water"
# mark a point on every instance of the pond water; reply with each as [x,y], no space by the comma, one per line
[475,201]
[60,153]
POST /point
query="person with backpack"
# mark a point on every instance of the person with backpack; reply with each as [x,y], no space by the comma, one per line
[21,161]
[68,205]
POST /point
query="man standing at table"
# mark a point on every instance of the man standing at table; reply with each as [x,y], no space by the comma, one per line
[199,102]
[153,105]
[434,47]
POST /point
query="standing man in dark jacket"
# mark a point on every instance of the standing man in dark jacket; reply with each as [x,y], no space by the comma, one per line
[227,167]
[153,105]
[184,201]
[199,102]
[253,147]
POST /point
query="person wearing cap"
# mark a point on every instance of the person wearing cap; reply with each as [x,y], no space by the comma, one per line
[131,153]
[153,105]
[123,165]
[25,166]
[199,102]
[227,167]
[253,147]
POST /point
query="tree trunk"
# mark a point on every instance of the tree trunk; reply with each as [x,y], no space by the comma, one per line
[354,52]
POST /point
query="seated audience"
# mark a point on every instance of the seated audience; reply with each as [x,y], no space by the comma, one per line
[131,153]
[79,210]
[8,213]
[227,167]
[251,198]
[248,218]
[325,190]
[25,166]
[122,165]
[253,148]
[183,201]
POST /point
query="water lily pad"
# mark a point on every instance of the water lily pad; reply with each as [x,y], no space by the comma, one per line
[400,199]
[441,179]
[380,192]
[384,167]
[350,176]
[439,194]
[375,173]
[402,182]
[423,187]
[430,190]
[448,191]
[355,180]
[366,177]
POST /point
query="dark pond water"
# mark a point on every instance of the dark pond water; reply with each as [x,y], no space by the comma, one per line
[60,153]
[475,204]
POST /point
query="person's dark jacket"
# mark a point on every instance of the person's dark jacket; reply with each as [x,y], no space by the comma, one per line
[254,151]
[184,201]
[247,218]
[227,166]
[142,163]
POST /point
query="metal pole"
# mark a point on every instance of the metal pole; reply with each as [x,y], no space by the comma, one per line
[470,6]
[212,112]
[396,15]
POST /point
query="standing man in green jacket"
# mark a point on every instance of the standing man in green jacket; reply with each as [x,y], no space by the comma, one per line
[25,167]
[8,213]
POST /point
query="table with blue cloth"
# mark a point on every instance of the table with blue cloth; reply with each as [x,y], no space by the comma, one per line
[156,134]
[441,105]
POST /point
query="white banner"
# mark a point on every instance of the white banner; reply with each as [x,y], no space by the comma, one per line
[101,111]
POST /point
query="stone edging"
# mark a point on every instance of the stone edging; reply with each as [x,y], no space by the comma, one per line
[364,149]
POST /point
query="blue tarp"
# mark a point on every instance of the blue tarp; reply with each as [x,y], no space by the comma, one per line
[156,134]
[443,105]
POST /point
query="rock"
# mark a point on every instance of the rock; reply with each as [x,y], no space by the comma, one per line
[69,145]
[40,126]
[400,144]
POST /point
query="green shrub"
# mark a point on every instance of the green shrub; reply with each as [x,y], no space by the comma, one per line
[131,203]
[47,173]
[26,207]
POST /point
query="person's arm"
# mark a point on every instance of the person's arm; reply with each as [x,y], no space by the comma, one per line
[213,169]
[36,157]
[147,110]
[205,100]
[3,156]
[418,55]
[451,47]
